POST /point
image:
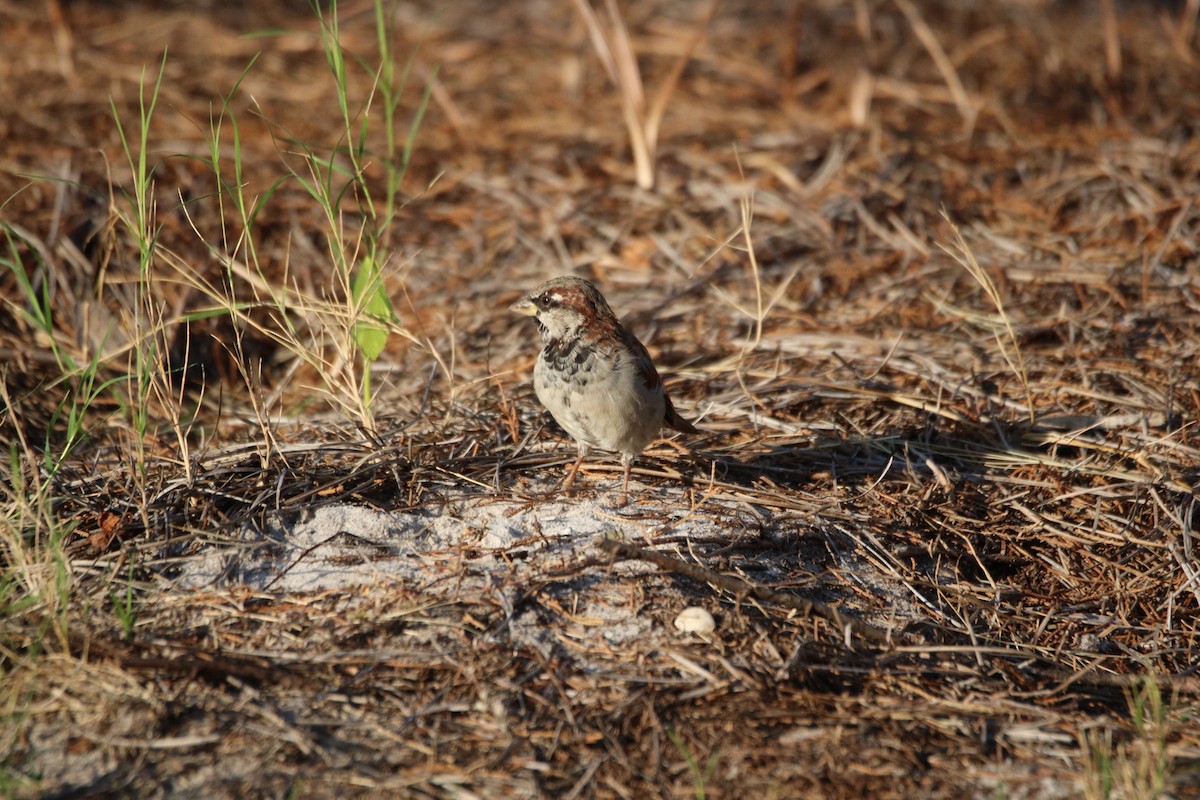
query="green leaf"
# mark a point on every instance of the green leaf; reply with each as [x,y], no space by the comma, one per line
[375,311]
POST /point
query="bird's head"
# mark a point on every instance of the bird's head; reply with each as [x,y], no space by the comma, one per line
[564,307]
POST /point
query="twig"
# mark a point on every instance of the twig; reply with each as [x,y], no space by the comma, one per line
[942,61]
[177,658]
[615,50]
[1112,39]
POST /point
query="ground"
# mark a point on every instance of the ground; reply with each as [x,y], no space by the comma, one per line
[283,516]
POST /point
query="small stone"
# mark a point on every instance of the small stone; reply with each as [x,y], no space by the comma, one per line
[695,620]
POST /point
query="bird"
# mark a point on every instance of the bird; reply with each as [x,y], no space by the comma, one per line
[594,376]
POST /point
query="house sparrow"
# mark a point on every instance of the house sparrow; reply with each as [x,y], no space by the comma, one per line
[594,376]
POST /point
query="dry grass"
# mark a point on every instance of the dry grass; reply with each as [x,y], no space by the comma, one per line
[927,273]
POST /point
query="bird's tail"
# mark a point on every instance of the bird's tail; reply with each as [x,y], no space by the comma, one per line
[672,419]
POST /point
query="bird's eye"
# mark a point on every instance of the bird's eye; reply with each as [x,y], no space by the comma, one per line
[543,300]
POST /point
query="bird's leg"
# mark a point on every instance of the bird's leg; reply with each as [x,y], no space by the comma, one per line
[627,461]
[569,481]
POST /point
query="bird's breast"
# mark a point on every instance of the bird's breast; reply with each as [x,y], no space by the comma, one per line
[597,396]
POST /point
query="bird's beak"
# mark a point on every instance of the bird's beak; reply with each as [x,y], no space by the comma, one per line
[524,306]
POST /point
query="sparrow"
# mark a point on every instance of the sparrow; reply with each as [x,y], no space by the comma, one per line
[594,376]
